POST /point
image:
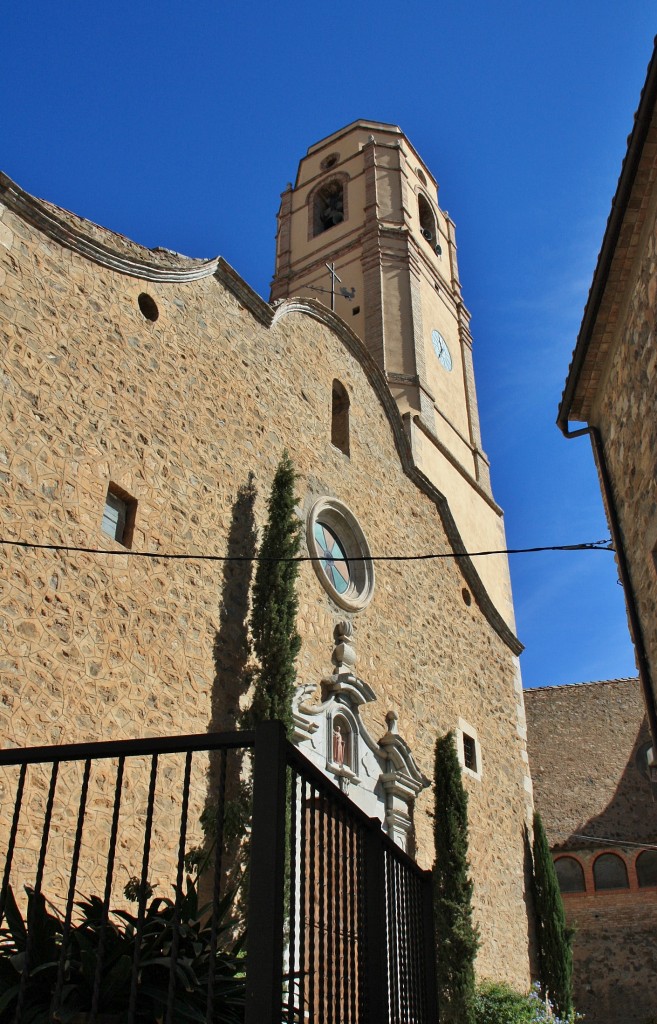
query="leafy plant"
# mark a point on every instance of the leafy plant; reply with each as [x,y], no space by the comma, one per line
[276,641]
[456,936]
[499,1004]
[554,936]
[194,963]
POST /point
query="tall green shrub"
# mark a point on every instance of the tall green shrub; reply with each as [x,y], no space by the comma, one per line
[276,641]
[554,936]
[457,939]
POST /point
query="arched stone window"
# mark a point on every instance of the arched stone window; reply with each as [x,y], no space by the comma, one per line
[610,872]
[343,742]
[570,875]
[427,220]
[646,868]
[328,206]
[340,417]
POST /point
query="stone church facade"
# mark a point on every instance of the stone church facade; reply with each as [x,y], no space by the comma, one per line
[147,399]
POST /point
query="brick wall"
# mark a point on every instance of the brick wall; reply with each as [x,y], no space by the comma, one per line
[584,744]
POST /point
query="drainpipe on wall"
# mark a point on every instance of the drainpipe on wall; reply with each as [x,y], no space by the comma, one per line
[636,632]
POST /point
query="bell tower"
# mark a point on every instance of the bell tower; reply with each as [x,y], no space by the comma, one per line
[365,204]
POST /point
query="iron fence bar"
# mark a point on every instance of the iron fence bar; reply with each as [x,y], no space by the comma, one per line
[143,883]
[264,988]
[326,898]
[331,986]
[77,844]
[343,932]
[293,893]
[303,908]
[32,902]
[126,748]
[414,949]
[429,950]
[216,881]
[108,890]
[362,927]
[175,944]
[324,784]
[312,906]
[322,889]
[12,840]
[419,947]
[402,943]
[355,981]
[393,943]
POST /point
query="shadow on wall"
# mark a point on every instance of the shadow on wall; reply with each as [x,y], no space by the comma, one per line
[232,648]
[227,803]
[528,873]
[631,814]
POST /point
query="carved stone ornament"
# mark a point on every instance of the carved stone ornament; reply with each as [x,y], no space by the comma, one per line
[380,777]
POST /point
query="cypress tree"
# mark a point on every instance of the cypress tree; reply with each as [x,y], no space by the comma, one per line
[554,936]
[276,641]
[457,939]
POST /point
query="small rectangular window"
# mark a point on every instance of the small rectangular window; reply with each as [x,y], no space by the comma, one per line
[469,752]
[119,516]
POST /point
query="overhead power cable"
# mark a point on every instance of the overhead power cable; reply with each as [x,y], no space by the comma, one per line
[605,841]
[596,545]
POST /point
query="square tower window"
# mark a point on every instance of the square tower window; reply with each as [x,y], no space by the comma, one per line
[468,749]
[469,752]
[119,515]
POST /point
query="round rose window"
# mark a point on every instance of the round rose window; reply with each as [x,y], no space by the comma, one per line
[341,557]
[332,557]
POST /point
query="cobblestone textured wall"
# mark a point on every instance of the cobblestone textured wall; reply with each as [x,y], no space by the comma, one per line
[625,415]
[179,412]
[585,746]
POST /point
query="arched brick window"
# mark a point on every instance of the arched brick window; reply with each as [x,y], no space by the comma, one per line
[646,868]
[340,417]
[610,872]
[570,875]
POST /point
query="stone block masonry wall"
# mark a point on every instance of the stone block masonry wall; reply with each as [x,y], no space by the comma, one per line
[625,415]
[587,750]
[615,955]
[178,413]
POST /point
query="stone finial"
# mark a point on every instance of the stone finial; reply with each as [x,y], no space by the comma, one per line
[391,720]
[344,653]
[343,631]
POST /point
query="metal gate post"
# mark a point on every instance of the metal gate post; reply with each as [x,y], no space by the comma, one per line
[376,966]
[430,951]
[264,964]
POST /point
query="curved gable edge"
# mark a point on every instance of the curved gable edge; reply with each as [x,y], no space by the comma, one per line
[317,311]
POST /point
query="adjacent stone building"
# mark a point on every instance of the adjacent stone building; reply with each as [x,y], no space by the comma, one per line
[613,378]
[147,399]
[590,751]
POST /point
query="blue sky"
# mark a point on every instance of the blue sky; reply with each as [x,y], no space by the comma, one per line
[180,124]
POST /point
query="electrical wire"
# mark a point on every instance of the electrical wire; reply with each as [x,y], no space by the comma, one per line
[604,841]
[597,545]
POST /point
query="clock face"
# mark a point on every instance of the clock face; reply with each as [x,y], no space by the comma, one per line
[441,350]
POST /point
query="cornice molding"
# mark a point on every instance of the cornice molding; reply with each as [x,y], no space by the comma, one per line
[44,218]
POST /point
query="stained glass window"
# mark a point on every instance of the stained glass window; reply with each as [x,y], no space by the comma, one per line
[332,557]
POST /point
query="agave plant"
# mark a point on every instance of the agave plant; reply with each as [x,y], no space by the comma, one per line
[195,962]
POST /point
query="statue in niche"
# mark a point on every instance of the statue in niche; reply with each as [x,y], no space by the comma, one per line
[341,743]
